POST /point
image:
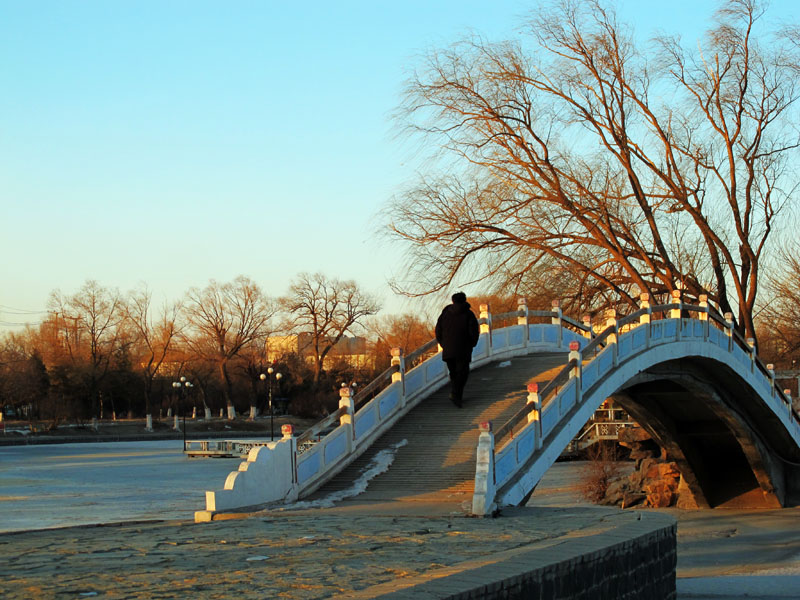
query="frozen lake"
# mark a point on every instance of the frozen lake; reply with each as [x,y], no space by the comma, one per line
[80,484]
[61,485]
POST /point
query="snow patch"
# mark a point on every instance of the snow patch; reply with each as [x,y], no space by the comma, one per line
[505,363]
[380,463]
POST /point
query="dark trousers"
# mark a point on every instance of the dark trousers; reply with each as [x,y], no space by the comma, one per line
[459,372]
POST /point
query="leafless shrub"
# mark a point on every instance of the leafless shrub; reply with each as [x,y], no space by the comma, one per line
[602,468]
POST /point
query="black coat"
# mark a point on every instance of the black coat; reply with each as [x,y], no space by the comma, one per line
[457,331]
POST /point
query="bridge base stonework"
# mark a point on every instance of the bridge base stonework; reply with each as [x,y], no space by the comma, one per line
[636,560]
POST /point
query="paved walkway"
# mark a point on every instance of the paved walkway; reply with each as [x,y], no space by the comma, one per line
[341,552]
[346,551]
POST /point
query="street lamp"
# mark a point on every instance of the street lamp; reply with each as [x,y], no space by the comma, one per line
[263,377]
[183,385]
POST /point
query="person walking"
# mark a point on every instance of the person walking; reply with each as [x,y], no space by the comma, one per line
[457,332]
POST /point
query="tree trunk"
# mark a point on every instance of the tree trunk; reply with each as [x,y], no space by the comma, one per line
[227,389]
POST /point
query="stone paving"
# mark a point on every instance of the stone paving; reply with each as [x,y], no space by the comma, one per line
[302,554]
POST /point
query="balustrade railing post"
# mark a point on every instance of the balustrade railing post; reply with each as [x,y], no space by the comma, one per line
[398,363]
[556,308]
[522,311]
[771,371]
[611,321]
[346,401]
[646,319]
[483,503]
[535,415]
[729,330]
[788,394]
[485,322]
[675,313]
[557,319]
[703,315]
[644,304]
[587,323]
[751,345]
[287,431]
[575,354]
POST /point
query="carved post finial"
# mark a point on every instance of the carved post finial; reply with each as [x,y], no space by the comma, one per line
[485,318]
[556,308]
[522,311]
[644,304]
[611,321]
[398,362]
[703,302]
[675,313]
[347,401]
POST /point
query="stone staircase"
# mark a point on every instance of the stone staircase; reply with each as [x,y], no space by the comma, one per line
[438,462]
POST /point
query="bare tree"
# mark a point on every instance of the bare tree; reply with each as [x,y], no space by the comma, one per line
[223,319]
[88,328]
[325,309]
[407,332]
[155,336]
[253,363]
[781,316]
[631,173]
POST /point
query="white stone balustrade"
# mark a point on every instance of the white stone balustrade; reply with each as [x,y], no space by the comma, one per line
[357,430]
[484,492]
[555,420]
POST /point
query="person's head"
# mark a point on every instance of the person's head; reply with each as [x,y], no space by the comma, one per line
[459,298]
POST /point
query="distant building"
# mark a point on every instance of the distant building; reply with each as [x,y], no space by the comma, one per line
[352,350]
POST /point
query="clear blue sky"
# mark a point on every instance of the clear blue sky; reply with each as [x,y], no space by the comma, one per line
[172,142]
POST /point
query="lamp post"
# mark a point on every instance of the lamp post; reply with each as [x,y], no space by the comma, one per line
[264,377]
[183,385]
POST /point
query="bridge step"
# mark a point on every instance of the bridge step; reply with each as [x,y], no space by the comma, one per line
[438,462]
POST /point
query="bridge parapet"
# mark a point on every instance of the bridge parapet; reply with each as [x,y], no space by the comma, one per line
[302,464]
[528,444]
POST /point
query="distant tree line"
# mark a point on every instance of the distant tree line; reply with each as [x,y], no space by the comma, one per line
[101,353]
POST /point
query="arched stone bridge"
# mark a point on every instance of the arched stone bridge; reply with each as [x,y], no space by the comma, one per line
[680,370]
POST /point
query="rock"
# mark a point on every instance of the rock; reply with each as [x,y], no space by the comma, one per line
[630,435]
[641,453]
[652,470]
[636,480]
[615,492]
[669,469]
[630,499]
[654,482]
[685,497]
[659,495]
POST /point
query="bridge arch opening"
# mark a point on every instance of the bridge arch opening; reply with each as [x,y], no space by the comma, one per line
[701,413]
